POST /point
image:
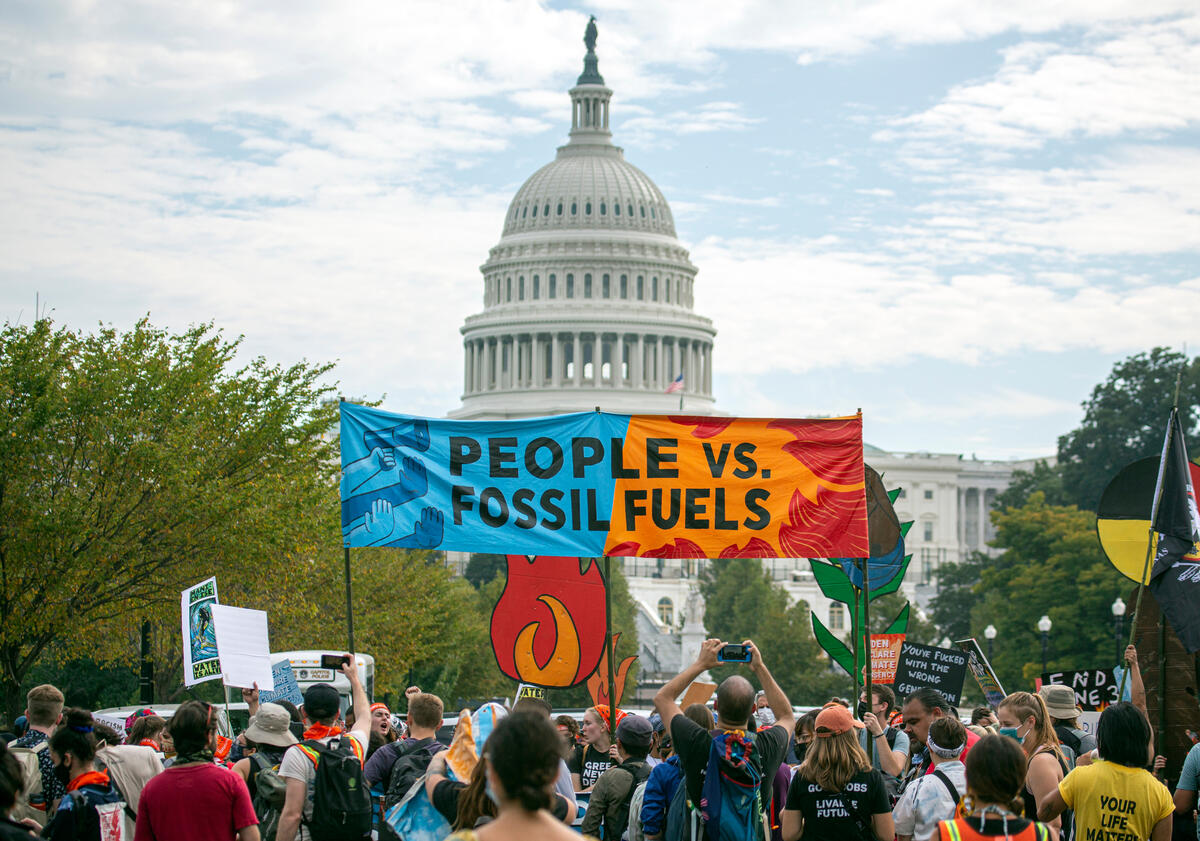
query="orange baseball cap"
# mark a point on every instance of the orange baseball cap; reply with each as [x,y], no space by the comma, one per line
[835,720]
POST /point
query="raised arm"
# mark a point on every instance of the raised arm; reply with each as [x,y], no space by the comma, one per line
[776,700]
[664,699]
[358,696]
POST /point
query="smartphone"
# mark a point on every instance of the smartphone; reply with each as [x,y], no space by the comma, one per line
[734,654]
[333,661]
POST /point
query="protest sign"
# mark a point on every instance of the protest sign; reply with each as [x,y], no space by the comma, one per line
[286,688]
[244,645]
[200,661]
[885,655]
[528,690]
[1094,689]
[698,693]
[592,483]
[982,671]
[942,669]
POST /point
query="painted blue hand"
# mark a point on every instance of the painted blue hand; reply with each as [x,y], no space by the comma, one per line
[427,533]
[378,523]
[405,481]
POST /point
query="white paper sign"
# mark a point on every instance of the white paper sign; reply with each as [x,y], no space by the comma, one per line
[244,645]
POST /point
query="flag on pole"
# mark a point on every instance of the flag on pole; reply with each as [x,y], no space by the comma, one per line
[1175,577]
[676,384]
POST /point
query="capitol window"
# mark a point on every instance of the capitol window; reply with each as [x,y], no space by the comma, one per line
[616,209]
[604,287]
[641,292]
[653,215]
[587,209]
[928,532]
[535,211]
[653,289]
[508,289]
[666,611]
[521,288]
[631,208]
[601,208]
[667,289]
[573,208]
[837,616]
[570,286]
[587,286]
[624,286]
[524,211]
[546,209]
[643,207]
[535,287]
[553,286]
[560,208]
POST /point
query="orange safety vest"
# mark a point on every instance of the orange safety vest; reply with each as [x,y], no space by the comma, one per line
[960,829]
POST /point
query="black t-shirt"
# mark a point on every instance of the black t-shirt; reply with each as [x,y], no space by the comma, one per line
[693,743]
[589,763]
[445,798]
[824,812]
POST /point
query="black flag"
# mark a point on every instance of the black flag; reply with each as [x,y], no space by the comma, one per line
[1175,578]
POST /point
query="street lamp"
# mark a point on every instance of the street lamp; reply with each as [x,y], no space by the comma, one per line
[1118,611]
[1043,625]
[990,634]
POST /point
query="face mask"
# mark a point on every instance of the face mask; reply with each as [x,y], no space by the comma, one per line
[861,710]
[491,795]
[1011,732]
[801,750]
[62,773]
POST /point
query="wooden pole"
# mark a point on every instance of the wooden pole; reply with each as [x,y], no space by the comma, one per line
[612,673]
[866,563]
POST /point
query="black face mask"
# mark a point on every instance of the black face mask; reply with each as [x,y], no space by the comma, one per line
[801,750]
[861,710]
[62,773]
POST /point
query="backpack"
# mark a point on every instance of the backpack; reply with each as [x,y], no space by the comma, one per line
[949,785]
[411,763]
[639,770]
[341,803]
[270,790]
[634,832]
[129,768]
[683,818]
[31,802]
[731,797]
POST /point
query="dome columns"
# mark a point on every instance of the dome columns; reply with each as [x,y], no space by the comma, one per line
[587,359]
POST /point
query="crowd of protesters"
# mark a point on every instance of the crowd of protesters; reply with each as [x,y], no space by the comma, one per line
[743,769]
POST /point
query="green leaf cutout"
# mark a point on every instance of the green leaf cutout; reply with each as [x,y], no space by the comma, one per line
[834,647]
[900,623]
[833,581]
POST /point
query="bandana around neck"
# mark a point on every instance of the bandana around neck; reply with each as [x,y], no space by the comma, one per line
[322,731]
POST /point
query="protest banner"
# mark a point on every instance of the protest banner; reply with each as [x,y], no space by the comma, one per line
[1094,689]
[885,656]
[200,660]
[592,483]
[242,639]
[982,671]
[943,669]
[286,687]
[528,690]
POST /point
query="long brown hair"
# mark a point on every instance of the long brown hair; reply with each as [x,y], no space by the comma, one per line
[473,802]
[1026,704]
[832,761]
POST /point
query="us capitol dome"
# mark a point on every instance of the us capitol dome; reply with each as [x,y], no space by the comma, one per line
[588,294]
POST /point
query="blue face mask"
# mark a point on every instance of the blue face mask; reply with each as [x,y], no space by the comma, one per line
[1011,732]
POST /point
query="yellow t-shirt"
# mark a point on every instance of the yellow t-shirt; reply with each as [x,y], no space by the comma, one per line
[1114,802]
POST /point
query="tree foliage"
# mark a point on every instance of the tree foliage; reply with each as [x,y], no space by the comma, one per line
[950,609]
[742,602]
[1051,565]
[130,460]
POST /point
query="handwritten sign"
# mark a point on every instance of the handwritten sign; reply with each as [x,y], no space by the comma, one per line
[943,669]
[1094,689]
[885,656]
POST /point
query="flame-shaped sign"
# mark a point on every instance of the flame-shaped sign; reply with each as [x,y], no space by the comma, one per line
[598,682]
[548,626]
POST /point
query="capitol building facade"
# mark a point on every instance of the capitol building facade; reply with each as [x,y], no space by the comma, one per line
[588,302]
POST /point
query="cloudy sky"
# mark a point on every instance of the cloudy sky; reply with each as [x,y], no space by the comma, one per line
[956,216]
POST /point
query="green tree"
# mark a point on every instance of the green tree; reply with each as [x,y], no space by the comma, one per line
[742,602]
[128,461]
[950,609]
[1125,419]
[1042,478]
[482,568]
[884,610]
[1051,565]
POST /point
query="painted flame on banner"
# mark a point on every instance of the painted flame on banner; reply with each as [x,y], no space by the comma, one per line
[548,625]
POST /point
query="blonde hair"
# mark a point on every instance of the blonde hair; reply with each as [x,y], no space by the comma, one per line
[1026,704]
[44,704]
[832,761]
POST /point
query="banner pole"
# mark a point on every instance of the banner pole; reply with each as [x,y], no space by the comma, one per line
[1158,487]
[612,675]
[855,633]
[349,605]
[1161,735]
[866,563]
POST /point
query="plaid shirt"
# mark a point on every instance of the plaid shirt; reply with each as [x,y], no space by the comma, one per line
[52,789]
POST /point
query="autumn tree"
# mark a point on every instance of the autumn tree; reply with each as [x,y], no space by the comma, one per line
[127,461]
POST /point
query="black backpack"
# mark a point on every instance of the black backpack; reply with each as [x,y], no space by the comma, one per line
[341,802]
[683,819]
[411,763]
[270,792]
[639,769]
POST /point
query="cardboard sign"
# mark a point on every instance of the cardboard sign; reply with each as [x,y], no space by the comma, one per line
[943,669]
[286,687]
[698,693]
[982,671]
[1094,689]
[885,656]
[200,661]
